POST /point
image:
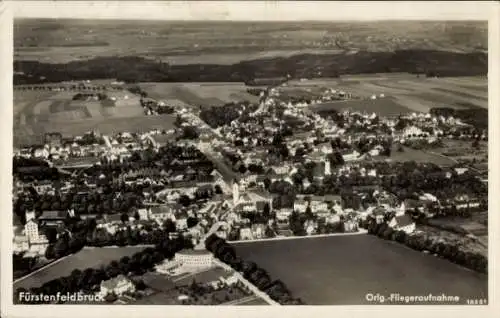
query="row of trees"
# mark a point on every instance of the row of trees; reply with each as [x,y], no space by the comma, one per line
[169,156]
[276,289]
[81,233]
[476,116]
[82,204]
[89,279]
[218,116]
[406,180]
[23,265]
[449,251]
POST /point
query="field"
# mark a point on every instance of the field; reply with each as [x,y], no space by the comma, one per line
[36,113]
[461,150]
[410,154]
[198,94]
[403,92]
[88,257]
[456,230]
[342,270]
[383,106]
[226,43]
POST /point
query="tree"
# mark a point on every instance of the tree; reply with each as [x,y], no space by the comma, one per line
[124,217]
[169,226]
[61,247]
[190,132]
[191,222]
[266,211]
[309,215]
[110,298]
[475,144]
[269,232]
[50,252]
[184,200]
[218,189]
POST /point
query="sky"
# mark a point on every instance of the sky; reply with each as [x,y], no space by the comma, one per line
[253,10]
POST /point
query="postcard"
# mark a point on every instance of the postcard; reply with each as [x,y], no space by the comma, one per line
[228,158]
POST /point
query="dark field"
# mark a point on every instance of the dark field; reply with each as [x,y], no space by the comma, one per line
[382,106]
[342,270]
[410,154]
[92,257]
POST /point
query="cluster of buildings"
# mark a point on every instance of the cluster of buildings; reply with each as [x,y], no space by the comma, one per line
[30,238]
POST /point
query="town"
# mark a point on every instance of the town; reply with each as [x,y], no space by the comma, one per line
[277,169]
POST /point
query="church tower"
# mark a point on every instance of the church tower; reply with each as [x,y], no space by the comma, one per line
[236,192]
[327,168]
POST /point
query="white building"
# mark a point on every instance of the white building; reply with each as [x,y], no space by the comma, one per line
[300,206]
[236,193]
[143,214]
[31,230]
[412,131]
[20,244]
[194,259]
[328,170]
[318,205]
[351,156]
[283,214]
[403,223]
[246,234]
[118,286]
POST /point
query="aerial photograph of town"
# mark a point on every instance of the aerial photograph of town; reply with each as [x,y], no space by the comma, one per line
[250,163]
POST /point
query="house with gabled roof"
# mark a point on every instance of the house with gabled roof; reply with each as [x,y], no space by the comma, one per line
[403,223]
[53,218]
[117,285]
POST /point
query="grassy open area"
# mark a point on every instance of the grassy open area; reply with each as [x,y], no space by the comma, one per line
[342,270]
[88,257]
[410,154]
[461,150]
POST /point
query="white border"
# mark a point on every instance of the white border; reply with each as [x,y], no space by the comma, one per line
[256,11]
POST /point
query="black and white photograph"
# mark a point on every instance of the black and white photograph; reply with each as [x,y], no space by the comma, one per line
[219,162]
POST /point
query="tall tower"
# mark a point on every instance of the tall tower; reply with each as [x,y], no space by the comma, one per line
[327,168]
[236,192]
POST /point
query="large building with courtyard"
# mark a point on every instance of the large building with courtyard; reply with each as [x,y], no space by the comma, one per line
[195,258]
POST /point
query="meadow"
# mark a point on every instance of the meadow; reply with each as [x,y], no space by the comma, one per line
[421,156]
[342,270]
[88,257]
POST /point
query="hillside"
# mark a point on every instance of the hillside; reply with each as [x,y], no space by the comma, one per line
[139,69]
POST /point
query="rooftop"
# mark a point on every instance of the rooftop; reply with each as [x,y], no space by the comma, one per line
[404,220]
[54,215]
[193,252]
[114,282]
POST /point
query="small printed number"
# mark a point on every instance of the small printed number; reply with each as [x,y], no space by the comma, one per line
[477,302]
